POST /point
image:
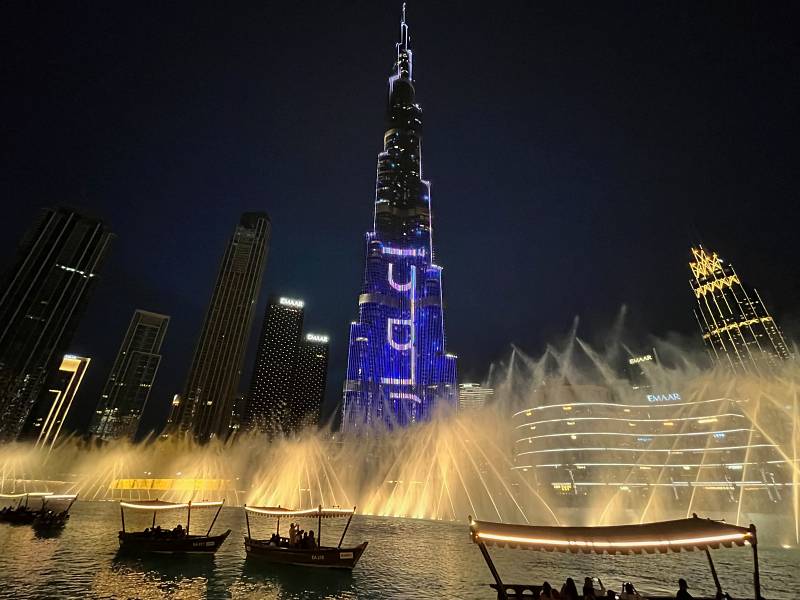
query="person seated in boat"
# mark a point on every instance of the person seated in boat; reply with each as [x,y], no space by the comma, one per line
[569,591]
[304,540]
[178,531]
[292,533]
[629,592]
[312,543]
[589,593]
[548,593]
[683,590]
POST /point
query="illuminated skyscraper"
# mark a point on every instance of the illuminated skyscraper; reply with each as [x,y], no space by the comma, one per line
[51,411]
[271,385]
[128,387]
[398,368]
[41,302]
[736,326]
[205,408]
[309,381]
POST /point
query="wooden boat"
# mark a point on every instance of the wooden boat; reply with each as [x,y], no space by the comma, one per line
[53,515]
[281,550]
[651,538]
[22,513]
[175,541]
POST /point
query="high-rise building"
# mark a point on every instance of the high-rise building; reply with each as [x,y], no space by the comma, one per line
[132,375]
[271,385]
[737,329]
[216,368]
[473,395]
[41,302]
[398,368]
[51,411]
[309,381]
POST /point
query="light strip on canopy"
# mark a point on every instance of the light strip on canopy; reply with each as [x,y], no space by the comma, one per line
[714,539]
[29,494]
[175,506]
[308,511]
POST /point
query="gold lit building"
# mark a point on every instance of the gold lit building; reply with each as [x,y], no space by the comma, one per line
[736,326]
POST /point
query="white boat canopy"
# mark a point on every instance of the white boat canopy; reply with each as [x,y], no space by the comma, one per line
[151,505]
[664,536]
[319,512]
[28,494]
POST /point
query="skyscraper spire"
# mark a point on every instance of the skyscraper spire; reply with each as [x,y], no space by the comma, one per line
[404,66]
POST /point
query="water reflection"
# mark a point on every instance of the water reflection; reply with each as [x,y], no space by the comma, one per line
[285,582]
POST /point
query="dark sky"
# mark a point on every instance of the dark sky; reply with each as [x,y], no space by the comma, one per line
[575,151]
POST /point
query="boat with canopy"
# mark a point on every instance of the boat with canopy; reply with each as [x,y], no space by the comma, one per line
[170,541]
[283,550]
[19,511]
[692,534]
[54,513]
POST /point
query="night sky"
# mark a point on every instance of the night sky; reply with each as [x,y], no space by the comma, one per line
[575,151]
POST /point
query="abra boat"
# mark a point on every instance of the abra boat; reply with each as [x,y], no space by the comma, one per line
[651,538]
[170,541]
[22,513]
[54,515]
[281,550]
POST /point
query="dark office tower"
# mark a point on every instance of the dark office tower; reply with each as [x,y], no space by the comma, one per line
[271,385]
[48,416]
[205,407]
[41,302]
[309,380]
[398,368]
[128,386]
[737,328]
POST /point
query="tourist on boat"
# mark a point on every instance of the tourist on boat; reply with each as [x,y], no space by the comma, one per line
[547,592]
[589,593]
[312,543]
[292,533]
[178,531]
[569,591]
[683,590]
[629,592]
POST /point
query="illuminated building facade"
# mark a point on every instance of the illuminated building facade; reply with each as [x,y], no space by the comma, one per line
[41,302]
[309,381]
[128,386]
[398,368]
[473,395]
[47,419]
[737,329]
[576,439]
[271,385]
[205,407]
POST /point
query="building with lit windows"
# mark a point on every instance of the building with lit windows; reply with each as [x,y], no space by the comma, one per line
[309,381]
[127,389]
[574,442]
[204,409]
[41,301]
[737,329]
[271,385]
[44,424]
[398,368]
[473,395]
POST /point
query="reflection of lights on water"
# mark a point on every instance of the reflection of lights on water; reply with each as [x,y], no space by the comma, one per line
[786,546]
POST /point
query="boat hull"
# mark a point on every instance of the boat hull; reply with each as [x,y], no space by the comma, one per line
[19,517]
[325,557]
[137,542]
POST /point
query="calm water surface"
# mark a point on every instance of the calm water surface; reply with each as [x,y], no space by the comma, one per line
[405,559]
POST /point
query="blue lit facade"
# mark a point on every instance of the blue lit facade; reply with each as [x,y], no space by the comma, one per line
[398,369]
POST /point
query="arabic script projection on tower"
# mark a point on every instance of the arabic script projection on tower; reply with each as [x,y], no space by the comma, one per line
[398,369]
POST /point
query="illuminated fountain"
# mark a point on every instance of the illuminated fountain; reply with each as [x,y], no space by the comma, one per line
[547,450]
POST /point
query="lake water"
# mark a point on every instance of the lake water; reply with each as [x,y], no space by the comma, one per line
[405,559]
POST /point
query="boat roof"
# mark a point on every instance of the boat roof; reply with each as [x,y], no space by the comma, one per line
[29,494]
[164,505]
[664,536]
[279,511]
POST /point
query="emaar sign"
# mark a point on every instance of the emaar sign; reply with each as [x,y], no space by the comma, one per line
[663,397]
